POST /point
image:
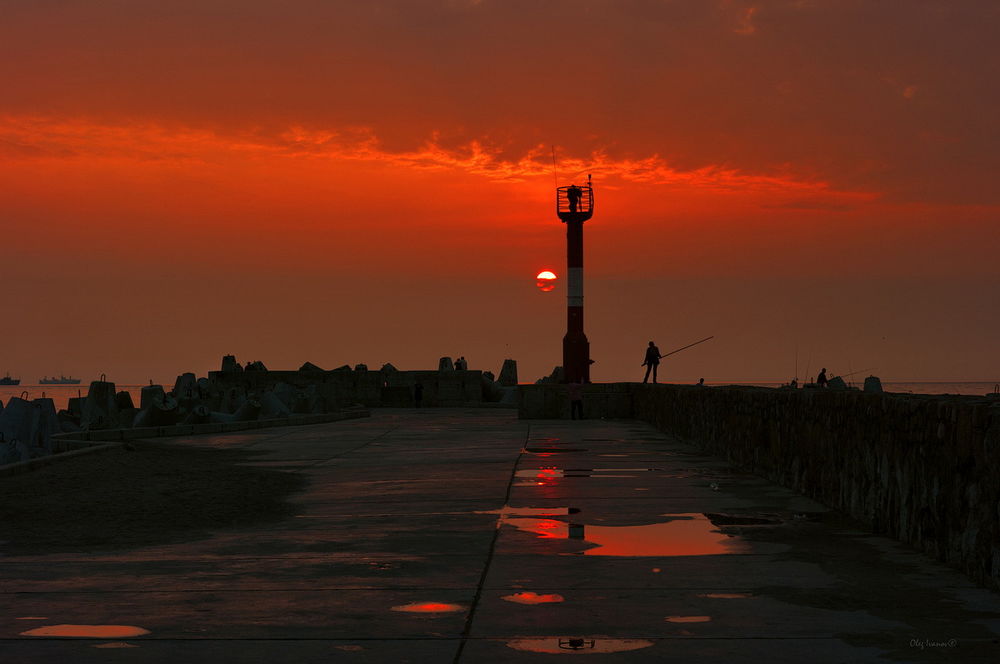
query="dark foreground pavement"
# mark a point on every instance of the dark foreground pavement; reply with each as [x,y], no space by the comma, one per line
[467,535]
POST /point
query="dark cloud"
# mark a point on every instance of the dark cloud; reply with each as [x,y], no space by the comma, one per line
[870,96]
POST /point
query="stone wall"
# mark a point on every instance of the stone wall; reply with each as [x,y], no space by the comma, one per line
[922,469]
[600,400]
[371,388]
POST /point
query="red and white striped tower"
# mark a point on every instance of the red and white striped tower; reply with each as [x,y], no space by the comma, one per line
[575,205]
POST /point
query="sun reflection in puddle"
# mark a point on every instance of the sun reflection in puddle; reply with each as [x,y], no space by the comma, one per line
[533,598]
[682,535]
[429,607]
[568,645]
[88,631]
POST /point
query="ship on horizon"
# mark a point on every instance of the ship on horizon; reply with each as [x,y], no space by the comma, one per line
[61,380]
[7,380]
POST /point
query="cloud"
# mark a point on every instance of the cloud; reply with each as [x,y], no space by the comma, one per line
[40,138]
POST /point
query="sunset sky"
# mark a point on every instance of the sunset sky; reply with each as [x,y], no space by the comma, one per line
[346,182]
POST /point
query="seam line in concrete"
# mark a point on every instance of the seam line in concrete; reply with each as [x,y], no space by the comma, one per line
[493,545]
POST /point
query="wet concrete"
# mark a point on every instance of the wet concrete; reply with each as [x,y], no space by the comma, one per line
[435,536]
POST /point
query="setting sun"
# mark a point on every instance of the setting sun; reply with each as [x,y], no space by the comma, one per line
[546,281]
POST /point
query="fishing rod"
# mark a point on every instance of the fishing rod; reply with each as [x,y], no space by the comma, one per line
[689,345]
[857,372]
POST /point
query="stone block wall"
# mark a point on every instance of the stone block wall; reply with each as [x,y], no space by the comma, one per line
[922,469]
[600,400]
[371,388]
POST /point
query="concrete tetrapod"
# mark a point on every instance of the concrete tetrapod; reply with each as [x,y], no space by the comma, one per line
[27,427]
[149,394]
[248,411]
[272,407]
[197,415]
[44,423]
[508,373]
[100,410]
[162,410]
[15,428]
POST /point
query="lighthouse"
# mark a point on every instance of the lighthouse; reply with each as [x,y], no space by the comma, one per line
[575,205]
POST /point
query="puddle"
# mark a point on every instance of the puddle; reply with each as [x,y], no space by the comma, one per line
[429,607]
[682,535]
[540,473]
[115,644]
[350,648]
[533,598]
[88,631]
[726,595]
[688,619]
[570,645]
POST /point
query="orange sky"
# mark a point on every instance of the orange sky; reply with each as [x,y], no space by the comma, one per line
[348,182]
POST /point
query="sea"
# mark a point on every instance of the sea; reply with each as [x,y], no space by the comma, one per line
[61,394]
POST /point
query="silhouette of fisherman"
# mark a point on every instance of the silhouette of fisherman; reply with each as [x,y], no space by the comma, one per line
[652,361]
[574,194]
[821,378]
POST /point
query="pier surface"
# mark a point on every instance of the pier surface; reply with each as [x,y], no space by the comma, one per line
[466,535]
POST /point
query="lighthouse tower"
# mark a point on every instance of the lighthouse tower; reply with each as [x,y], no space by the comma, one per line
[575,205]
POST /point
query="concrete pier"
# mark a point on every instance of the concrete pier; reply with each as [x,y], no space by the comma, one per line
[467,535]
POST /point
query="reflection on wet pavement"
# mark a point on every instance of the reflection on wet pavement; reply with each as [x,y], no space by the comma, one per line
[687,619]
[682,535]
[87,631]
[533,598]
[577,645]
[429,607]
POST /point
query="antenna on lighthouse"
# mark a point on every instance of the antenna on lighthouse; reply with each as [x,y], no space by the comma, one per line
[555,177]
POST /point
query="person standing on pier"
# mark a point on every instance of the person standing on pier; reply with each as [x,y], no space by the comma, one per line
[575,400]
[821,378]
[652,361]
[574,194]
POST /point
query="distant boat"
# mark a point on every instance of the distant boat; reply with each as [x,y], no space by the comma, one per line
[61,380]
[7,380]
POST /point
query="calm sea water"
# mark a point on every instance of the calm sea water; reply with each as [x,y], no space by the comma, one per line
[61,394]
